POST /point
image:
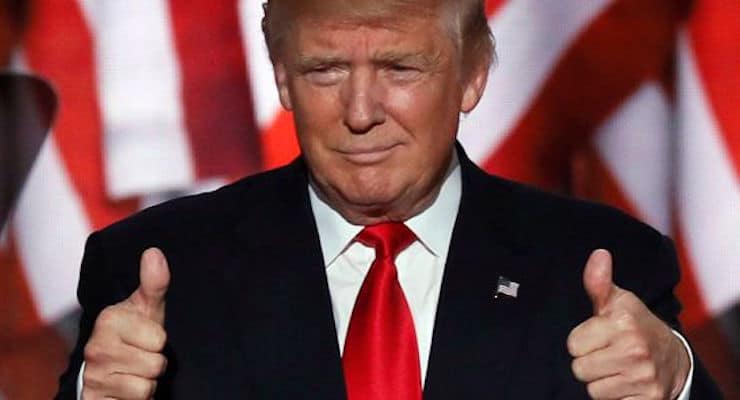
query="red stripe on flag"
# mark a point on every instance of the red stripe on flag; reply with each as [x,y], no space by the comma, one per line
[7,34]
[216,92]
[60,48]
[715,37]
[591,179]
[279,143]
[31,355]
[631,41]
[493,6]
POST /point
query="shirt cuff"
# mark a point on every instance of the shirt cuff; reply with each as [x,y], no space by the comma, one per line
[684,395]
[80,382]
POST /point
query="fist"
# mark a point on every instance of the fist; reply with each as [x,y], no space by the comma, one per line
[123,356]
[624,351]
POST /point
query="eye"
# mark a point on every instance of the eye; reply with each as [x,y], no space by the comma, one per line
[403,72]
[324,75]
[400,67]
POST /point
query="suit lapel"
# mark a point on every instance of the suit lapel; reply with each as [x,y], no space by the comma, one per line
[282,299]
[477,338]
[282,305]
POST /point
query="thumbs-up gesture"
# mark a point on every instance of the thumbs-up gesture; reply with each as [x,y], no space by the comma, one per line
[123,356]
[624,351]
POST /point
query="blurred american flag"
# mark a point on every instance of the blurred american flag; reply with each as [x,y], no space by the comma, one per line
[629,102]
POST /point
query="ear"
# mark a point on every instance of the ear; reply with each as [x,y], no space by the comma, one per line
[281,80]
[475,84]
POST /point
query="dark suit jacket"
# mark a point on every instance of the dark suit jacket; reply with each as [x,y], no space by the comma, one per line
[249,314]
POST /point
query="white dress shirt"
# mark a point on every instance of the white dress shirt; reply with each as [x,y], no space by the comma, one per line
[420,266]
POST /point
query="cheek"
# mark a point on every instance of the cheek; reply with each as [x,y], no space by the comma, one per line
[429,112]
[315,111]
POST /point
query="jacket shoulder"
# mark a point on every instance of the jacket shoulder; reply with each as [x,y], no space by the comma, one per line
[209,212]
[571,219]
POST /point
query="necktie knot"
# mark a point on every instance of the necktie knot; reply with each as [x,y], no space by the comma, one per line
[388,238]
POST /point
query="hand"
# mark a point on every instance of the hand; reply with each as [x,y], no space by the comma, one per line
[624,351]
[123,356]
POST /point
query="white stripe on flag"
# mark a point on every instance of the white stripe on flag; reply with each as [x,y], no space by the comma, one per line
[265,95]
[139,86]
[634,143]
[708,191]
[50,228]
[531,38]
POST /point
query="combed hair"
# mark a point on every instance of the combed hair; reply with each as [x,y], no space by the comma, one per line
[468,20]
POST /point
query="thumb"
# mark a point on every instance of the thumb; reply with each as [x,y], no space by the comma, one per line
[154,279]
[597,279]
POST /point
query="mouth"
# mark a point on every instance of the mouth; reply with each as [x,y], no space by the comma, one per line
[368,155]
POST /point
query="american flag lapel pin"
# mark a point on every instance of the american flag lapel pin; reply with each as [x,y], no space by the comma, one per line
[506,288]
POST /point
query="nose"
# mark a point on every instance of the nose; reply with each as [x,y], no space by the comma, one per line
[362,100]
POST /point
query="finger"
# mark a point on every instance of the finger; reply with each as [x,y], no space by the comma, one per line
[597,279]
[120,325]
[126,360]
[154,278]
[613,387]
[129,387]
[140,332]
[599,364]
[137,362]
[593,334]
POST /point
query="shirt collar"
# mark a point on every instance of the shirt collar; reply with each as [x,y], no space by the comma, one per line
[433,226]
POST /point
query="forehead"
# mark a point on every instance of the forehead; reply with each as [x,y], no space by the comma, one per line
[333,30]
[378,36]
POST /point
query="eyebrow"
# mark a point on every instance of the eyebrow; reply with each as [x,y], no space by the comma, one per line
[306,61]
[418,58]
[385,58]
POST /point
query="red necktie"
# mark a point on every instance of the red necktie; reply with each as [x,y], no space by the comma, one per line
[381,357]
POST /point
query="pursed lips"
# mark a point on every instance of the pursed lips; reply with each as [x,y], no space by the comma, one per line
[368,154]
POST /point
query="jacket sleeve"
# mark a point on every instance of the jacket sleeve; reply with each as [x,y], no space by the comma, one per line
[667,308]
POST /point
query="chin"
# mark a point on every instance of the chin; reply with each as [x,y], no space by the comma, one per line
[370,198]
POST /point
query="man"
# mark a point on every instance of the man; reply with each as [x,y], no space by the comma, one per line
[382,264]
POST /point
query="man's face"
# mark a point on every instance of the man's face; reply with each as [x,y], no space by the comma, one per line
[376,110]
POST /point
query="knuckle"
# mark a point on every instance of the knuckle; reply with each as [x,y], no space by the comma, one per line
[90,379]
[572,345]
[148,389]
[107,317]
[157,366]
[625,321]
[638,351]
[575,339]
[87,394]
[93,352]
[577,367]
[159,338]
[647,376]
[145,389]
[593,390]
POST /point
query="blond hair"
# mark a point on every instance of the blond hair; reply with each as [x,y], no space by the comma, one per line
[468,21]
